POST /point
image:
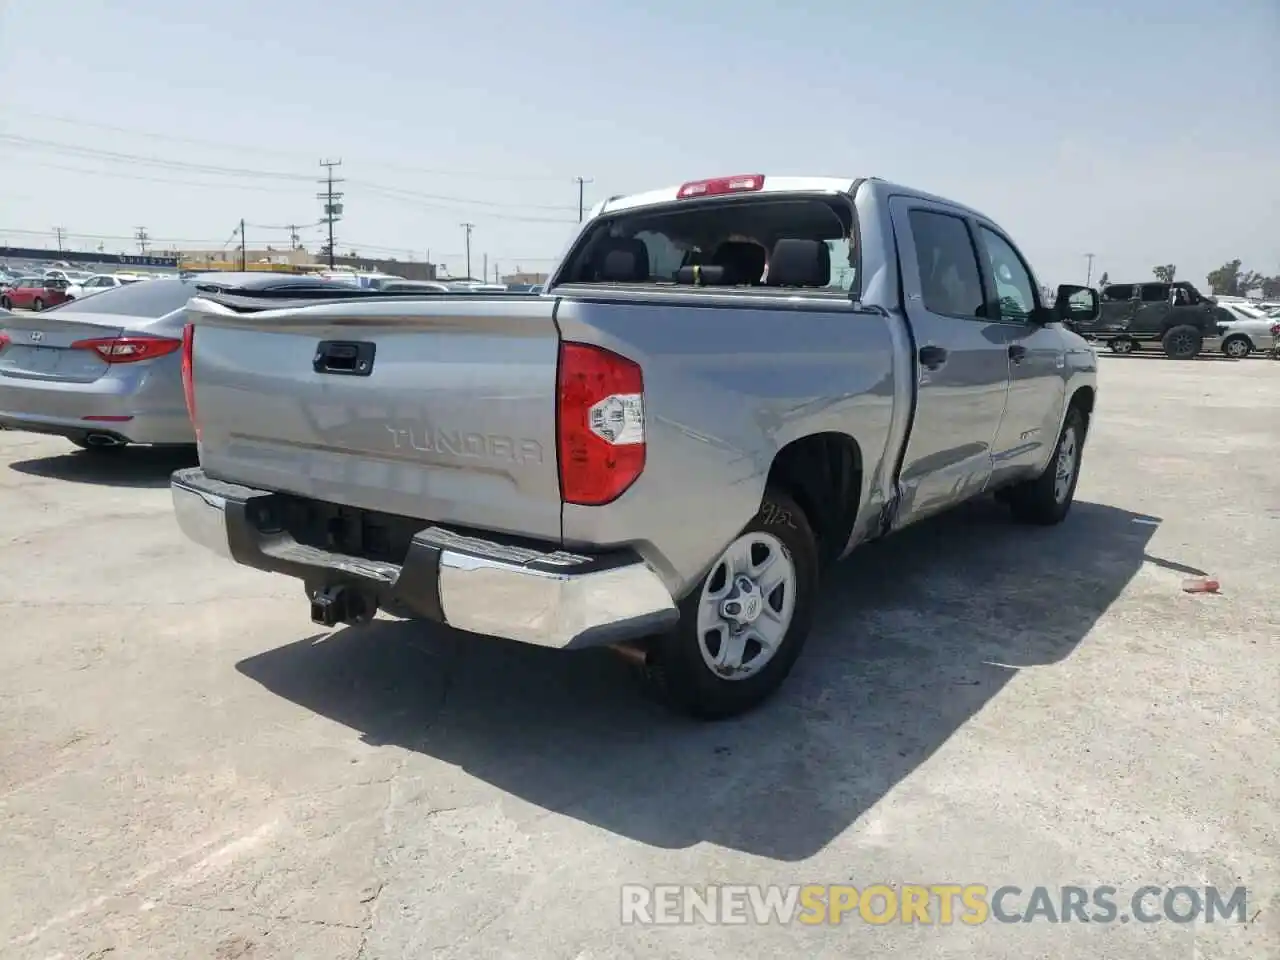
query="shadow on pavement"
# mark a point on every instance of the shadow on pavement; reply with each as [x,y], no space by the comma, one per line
[915,635]
[113,467]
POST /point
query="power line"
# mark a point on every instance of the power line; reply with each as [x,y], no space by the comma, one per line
[395,193]
[267,151]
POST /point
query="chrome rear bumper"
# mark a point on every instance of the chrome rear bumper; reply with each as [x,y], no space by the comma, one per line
[549,598]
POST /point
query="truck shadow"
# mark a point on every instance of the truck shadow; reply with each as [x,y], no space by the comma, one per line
[915,635]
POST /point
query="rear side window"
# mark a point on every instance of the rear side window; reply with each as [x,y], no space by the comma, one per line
[148,298]
[1118,292]
[1155,292]
[948,264]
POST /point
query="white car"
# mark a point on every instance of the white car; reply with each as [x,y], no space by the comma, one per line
[1251,330]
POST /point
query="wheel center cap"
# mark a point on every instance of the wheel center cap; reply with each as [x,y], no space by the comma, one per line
[743,606]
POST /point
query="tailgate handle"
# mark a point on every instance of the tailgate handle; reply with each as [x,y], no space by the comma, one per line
[350,358]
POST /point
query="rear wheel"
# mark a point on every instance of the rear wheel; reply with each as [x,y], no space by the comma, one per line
[37,304]
[6,303]
[1182,343]
[1237,347]
[1122,345]
[1047,499]
[745,624]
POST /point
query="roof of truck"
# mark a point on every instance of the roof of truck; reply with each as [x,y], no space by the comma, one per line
[772,184]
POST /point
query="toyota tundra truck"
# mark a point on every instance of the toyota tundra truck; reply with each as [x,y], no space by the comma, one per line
[725,387]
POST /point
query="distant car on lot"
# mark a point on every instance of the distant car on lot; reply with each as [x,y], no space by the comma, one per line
[35,293]
[106,371]
[106,281]
[1250,330]
[414,286]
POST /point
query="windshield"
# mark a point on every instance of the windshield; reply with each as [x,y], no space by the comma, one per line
[150,298]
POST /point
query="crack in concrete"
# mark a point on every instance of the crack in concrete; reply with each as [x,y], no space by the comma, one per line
[257,914]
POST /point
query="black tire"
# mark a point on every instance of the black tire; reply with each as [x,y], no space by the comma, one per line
[1182,342]
[675,670]
[97,448]
[1039,501]
[1122,345]
[37,304]
[1237,346]
[6,303]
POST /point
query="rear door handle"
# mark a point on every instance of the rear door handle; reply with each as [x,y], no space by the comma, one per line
[932,357]
[1016,352]
[349,358]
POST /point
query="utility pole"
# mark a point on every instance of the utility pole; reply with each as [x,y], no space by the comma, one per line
[484,274]
[332,202]
[1088,276]
[244,248]
[468,227]
[295,241]
[495,272]
[141,236]
[59,232]
[582,183]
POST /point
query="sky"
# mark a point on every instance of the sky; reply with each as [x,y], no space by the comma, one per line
[1143,132]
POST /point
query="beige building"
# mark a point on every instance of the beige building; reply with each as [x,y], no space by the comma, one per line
[525,277]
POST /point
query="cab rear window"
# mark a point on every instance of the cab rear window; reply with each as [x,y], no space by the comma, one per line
[761,241]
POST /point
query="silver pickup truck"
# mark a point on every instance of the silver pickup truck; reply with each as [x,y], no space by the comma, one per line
[725,387]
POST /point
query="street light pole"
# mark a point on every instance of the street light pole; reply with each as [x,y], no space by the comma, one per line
[1089,269]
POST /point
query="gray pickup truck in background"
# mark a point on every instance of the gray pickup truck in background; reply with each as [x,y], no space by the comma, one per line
[725,387]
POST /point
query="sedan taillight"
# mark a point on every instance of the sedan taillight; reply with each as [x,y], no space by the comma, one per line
[129,349]
[1275,329]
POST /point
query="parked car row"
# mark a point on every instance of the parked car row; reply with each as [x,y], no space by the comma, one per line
[1177,319]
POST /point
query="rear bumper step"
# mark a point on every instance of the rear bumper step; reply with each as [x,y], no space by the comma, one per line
[549,598]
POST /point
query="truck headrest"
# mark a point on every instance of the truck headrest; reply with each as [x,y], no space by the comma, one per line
[742,260]
[800,263]
[702,276]
[621,260]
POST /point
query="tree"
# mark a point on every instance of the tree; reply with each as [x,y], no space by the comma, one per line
[1271,287]
[1102,280]
[1165,272]
[1225,281]
[1249,280]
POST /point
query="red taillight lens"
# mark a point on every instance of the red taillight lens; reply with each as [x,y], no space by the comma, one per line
[742,183]
[1275,332]
[189,374]
[600,424]
[129,349]
[4,341]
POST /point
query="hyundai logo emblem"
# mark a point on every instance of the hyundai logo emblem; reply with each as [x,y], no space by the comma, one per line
[37,335]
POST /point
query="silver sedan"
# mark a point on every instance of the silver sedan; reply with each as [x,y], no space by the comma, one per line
[104,371]
[1249,331]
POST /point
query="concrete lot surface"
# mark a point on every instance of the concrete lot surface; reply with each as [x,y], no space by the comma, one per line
[188,769]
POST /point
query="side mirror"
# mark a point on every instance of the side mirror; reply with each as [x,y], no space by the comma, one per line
[1076,304]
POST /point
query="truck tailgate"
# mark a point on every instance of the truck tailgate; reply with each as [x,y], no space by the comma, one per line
[453,418]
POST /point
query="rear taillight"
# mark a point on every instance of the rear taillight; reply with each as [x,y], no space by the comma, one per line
[189,374]
[4,341]
[600,424]
[1275,331]
[129,349]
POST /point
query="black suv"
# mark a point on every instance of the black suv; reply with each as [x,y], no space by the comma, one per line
[1173,315]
